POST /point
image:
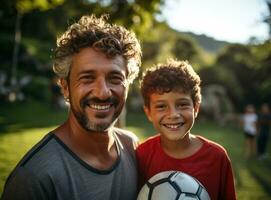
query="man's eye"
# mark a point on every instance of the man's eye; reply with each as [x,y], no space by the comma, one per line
[87,78]
[116,80]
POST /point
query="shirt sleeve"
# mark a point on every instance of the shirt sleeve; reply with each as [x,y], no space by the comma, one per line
[23,185]
[228,189]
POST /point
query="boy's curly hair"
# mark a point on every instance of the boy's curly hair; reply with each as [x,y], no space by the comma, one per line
[97,33]
[171,76]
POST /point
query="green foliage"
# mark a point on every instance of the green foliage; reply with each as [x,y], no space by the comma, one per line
[249,67]
[263,55]
[24,6]
[184,49]
[162,43]
[42,20]
[38,89]
[40,52]
[223,76]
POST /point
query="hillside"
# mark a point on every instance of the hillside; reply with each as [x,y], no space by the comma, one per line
[207,43]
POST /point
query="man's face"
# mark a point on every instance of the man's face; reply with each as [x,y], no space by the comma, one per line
[97,89]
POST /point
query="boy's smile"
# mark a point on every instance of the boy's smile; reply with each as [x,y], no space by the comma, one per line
[172,114]
[173,127]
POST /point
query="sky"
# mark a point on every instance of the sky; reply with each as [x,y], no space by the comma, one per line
[228,20]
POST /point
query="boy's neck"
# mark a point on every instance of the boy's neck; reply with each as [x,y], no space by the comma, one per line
[182,148]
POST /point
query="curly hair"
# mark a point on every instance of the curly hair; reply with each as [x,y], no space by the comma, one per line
[171,76]
[97,33]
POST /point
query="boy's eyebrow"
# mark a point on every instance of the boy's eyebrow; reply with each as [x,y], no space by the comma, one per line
[184,99]
[179,99]
[158,101]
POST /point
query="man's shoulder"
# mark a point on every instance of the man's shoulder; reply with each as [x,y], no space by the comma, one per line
[126,137]
[43,155]
[36,162]
[122,133]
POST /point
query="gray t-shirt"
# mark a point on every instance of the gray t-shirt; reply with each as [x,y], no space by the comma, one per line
[51,171]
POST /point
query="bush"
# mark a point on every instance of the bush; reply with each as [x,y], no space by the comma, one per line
[38,89]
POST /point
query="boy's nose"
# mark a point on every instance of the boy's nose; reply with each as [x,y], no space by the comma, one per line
[173,113]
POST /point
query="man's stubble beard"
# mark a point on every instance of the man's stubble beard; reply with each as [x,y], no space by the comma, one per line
[89,126]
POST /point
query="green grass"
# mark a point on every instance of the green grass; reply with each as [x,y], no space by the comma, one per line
[22,125]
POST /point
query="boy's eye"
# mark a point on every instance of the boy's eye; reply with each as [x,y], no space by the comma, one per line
[160,106]
[183,105]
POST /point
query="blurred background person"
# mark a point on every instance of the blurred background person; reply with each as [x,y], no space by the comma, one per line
[249,122]
[264,122]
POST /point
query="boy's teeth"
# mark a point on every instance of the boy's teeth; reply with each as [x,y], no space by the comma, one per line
[172,126]
[99,107]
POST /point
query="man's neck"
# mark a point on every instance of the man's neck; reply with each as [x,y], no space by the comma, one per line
[98,149]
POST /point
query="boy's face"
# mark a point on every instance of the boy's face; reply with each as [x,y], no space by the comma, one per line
[172,114]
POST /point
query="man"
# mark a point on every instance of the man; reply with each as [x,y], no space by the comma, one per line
[86,157]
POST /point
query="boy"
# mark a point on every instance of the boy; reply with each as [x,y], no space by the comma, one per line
[172,97]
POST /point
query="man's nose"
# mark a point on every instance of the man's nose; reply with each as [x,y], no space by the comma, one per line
[101,90]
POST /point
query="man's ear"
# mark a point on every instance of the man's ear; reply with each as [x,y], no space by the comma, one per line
[147,112]
[196,109]
[64,88]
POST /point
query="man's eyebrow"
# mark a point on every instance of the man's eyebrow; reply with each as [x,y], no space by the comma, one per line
[89,71]
[116,72]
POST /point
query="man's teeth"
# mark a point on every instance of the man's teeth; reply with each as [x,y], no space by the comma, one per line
[99,107]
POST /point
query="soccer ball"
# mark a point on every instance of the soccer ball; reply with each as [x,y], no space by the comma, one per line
[173,185]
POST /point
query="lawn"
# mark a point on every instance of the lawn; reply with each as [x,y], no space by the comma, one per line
[22,125]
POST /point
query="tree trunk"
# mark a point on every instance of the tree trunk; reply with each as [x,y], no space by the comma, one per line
[17,42]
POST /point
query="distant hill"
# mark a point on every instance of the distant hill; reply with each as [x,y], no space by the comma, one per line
[207,43]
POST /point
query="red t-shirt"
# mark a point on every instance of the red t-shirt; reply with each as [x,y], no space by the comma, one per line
[210,165]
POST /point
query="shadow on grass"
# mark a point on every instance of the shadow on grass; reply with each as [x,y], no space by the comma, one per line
[16,117]
[259,169]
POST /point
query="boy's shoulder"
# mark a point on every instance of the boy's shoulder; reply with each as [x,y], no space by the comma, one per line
[149,142]
[151,139]
[213,146]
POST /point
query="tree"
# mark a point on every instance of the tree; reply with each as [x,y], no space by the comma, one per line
[22,7]
[262,53]
[267,19]
[41,20]
[184,49]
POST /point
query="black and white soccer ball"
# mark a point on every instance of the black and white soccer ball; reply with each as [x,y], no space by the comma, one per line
[173,185]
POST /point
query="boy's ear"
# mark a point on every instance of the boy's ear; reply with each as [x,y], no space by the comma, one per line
[64,87]
[147,112]
[196,109]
